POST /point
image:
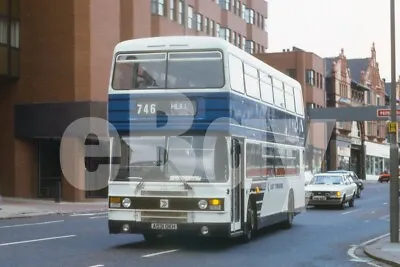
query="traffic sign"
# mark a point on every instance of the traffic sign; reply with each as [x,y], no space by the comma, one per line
[392,127]
[386,112]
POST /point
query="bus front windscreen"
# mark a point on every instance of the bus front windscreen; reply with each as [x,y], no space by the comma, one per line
[172,70]
[171,159]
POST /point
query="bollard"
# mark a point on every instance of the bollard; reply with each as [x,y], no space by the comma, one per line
[57,198]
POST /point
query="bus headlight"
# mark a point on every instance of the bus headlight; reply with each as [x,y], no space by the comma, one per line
[126,202]
[203,204]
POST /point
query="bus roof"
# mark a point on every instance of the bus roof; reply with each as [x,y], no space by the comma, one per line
[171,43]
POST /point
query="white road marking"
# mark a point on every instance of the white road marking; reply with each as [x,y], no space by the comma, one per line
[29,224]
[354,257]
[384,217]
[366,221]
[374,239]
[98,265]
[98,217]
[86,214]
[352,254]
[35,240]
[348,212]
[159,253]
[385,203]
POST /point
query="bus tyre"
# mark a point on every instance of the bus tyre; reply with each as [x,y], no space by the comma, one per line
[250,225]
[290,213]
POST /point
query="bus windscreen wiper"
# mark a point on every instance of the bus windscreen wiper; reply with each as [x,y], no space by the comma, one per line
[185,183]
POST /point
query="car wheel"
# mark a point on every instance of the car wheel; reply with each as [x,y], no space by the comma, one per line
[343,204]
[351,202]
[358,193]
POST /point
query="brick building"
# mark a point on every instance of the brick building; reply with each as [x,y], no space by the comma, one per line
[359,146]
[308,69]
[55,59]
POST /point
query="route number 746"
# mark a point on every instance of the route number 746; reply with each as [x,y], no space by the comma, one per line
[148,108]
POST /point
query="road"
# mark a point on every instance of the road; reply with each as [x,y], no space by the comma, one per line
[319,238]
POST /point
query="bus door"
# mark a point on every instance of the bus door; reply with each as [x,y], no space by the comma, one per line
[237,154]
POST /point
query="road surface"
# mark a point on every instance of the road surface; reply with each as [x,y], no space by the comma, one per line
[319,237]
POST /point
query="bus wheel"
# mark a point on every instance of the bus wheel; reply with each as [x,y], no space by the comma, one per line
[290,213]
[250,225]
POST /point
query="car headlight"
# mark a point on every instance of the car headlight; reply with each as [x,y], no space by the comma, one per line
[203,204]
[126,202]
[308,193]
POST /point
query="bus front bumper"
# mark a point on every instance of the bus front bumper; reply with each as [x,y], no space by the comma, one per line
[194,229]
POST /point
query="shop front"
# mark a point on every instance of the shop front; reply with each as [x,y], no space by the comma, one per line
[377,159]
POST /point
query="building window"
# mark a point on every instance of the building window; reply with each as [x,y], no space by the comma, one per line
[217,29]
[14,42]
[243,10]
[234,6]
[310,77]
[238,40]
[225,33]
[243,42]
[225,4]
[172,14]
[190,17]
[206,28]
[212,32]
[157,7]
[233,37]
[249,16]
[265,25]
[292,73]
[3,30]
[180,17]
[238,8]
[199,20]
[249,46]
[378,100]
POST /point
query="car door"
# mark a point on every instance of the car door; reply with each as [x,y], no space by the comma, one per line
[352,185]
[348,186]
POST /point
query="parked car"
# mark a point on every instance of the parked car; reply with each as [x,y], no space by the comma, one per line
[354,177]
[384,177]
[336,189]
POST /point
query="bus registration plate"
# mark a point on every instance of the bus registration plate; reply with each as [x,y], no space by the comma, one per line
[164,226]
[319,197]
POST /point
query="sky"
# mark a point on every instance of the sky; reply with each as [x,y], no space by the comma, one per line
[326,26]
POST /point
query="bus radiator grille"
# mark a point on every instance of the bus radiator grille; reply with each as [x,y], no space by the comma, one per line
[164,217]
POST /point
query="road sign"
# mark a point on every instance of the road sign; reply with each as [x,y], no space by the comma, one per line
[392,127]
[386,112]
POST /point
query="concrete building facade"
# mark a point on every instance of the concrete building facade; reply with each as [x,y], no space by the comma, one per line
[55,59]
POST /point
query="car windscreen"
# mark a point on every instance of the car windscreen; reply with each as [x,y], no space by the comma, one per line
[326,180]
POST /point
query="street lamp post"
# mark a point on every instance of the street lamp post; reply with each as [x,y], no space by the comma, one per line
[394,149]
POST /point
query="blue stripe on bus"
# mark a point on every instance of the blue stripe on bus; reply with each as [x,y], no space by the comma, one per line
[210,106]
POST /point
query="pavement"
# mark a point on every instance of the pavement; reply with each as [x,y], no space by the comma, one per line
[319,238]
[384,251]
[20,208]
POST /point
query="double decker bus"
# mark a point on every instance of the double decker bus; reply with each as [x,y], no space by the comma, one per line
[210,139]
